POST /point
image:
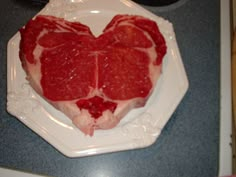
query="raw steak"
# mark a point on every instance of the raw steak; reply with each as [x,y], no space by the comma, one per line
[95,81]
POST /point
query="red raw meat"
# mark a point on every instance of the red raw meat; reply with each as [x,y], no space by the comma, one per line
[95,81]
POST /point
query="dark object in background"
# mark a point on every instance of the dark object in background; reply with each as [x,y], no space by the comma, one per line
[39,2]
[156,2]
[35,4]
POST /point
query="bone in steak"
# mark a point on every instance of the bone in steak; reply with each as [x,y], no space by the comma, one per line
[95,81]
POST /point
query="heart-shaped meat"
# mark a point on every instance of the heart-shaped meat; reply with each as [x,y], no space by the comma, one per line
[95,81]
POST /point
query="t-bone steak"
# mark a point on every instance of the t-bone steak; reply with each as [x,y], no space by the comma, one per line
[95,81]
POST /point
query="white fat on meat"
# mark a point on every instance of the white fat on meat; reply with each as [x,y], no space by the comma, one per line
[87,124]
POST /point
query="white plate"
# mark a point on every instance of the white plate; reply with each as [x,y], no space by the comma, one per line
[140,128]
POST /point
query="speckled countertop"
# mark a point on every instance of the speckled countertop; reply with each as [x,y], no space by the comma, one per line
[189,143]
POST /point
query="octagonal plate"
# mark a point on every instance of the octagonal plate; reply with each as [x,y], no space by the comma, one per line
[140,128]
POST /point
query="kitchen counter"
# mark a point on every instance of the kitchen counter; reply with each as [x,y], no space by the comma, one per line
[189,143]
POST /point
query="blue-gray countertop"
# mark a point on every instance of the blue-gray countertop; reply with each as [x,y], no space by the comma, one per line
[189,143]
